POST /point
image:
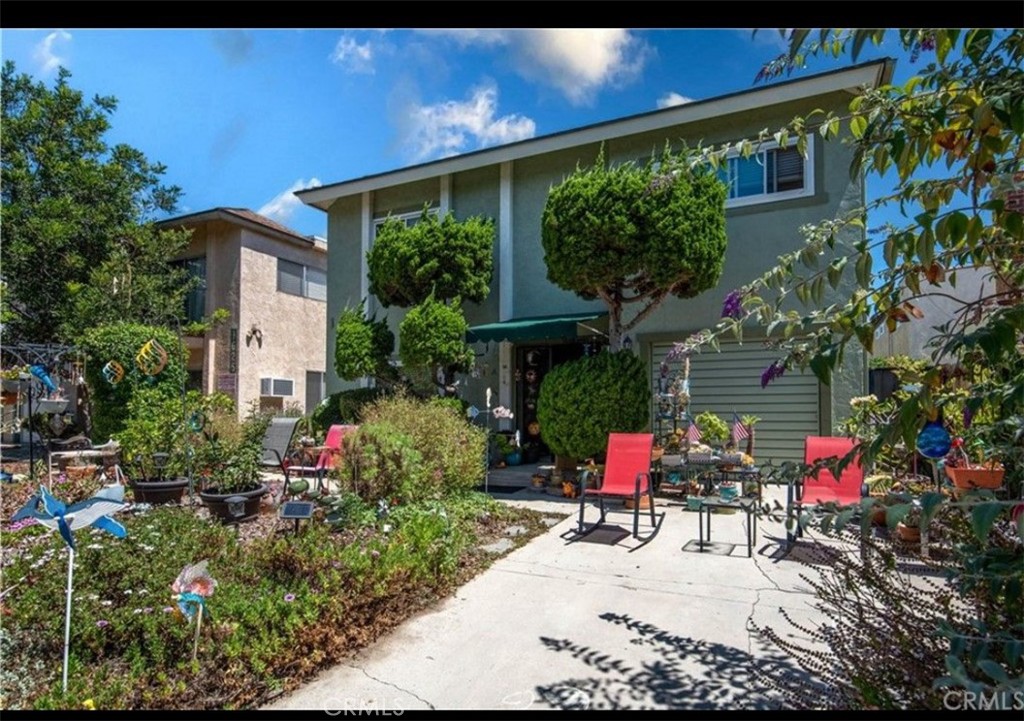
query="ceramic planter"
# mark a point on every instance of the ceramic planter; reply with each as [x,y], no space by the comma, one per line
[513,459]
[228,512]
[909,534]
[159,491]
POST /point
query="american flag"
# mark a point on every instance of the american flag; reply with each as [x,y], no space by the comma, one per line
[739,431]
[693,432]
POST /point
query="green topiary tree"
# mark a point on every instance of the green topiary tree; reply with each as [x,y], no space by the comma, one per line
[635,234]
[121,342]
[434,336]
[582,401]
[363,346]
[429,267]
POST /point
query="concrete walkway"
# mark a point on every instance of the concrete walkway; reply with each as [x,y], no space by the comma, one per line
[588,624]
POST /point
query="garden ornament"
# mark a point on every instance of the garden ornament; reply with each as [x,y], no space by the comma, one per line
[191,589]
[113,372]
[93,512]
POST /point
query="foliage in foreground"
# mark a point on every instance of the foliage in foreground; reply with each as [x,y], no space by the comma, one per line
[284,606]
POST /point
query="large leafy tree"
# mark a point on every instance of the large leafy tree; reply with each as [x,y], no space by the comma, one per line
[950,140]
[72,206]
[635,234]
[430,268]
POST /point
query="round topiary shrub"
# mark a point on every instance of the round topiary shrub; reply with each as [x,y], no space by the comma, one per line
[582,401]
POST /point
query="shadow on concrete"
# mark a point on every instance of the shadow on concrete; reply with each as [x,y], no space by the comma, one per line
[687,673]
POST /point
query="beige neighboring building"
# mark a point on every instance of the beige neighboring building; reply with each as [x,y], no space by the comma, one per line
[273,281]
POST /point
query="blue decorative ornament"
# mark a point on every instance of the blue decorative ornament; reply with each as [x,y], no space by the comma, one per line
[934,441]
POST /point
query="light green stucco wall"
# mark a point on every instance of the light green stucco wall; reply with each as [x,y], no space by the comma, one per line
[758,234]
[344,253]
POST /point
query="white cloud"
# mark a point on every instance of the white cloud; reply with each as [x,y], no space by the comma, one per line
[282,205]
[765,37]
[578,62]
[51,51]
[352,56]
[672,98]
[448,128]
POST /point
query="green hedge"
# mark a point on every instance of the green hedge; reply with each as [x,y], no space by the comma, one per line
[582,401]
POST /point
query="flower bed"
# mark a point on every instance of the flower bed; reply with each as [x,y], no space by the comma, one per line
[286,606]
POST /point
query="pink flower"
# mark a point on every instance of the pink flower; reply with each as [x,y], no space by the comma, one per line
[289,597]
[102,624]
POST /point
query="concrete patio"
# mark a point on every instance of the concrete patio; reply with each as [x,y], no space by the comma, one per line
[590,624]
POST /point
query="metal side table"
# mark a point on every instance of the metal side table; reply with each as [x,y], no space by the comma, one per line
[747,505]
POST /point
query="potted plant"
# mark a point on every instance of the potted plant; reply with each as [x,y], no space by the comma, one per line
[672,448]
[229,460]
[503,447]
[513,456]
[966,475]
[156,479]
[909,529]
[714,431]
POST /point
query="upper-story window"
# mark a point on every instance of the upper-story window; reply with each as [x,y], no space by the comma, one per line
[410,219]
[298,279]
[195,299]
[772,173]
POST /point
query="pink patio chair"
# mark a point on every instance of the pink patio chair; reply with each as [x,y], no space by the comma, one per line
[811,491]
[627,474]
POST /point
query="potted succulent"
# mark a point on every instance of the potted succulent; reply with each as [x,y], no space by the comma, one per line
[909,529]
[714,431]
[672,448]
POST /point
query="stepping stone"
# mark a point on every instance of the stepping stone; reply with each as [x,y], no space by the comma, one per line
[500,546]
[514,531]
[549,522]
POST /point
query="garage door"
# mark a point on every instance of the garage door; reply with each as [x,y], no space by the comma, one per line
[731,381]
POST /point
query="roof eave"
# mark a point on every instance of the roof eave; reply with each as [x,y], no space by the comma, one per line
[871,73]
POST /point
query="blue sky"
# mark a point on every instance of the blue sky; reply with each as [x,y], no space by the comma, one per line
[244,117]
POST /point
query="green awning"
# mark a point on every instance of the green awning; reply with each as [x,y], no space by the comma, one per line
[549,327]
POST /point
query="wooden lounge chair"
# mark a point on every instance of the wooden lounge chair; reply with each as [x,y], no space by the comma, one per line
[627,474]
[810,491]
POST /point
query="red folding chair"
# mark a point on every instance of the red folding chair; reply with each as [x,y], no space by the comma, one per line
[627,474]
[330,455]
[811,491]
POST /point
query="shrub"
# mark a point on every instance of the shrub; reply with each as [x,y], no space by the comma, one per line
[121,342]
[582,401]
[453,450]
[381,462]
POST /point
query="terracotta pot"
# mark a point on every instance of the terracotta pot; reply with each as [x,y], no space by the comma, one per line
[645,503]
[910,534]
[878,518]
[976,476]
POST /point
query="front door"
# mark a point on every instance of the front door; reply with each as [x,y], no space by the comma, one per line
[533,362]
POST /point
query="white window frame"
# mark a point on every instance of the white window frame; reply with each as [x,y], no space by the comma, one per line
[413,216]
[305,280]
[806,191]
[273,381]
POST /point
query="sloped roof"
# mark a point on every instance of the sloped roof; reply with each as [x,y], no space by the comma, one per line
[236,215]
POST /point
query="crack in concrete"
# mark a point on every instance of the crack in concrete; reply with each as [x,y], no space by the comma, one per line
[392,685]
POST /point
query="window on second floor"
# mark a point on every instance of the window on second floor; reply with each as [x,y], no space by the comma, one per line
[410,219]
[772,173]
[298,279]
[195,300]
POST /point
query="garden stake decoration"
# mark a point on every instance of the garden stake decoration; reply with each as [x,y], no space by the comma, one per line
[151,358]
[113,372]
[191,589]
[94,512]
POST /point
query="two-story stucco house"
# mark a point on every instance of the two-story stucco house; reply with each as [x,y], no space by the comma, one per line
[273,281]
[527,324]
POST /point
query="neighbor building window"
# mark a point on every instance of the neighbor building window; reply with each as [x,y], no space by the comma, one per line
[298,279]
[315,389]
[195,299]
[773,173]
[281,387]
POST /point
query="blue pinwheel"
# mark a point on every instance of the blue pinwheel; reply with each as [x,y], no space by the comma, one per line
[55,514]
[94,511]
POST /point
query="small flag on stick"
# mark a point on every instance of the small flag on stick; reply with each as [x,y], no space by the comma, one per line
[739,431]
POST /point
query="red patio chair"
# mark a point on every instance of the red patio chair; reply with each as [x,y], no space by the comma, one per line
[627,474]
[811,491]
[330,454]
